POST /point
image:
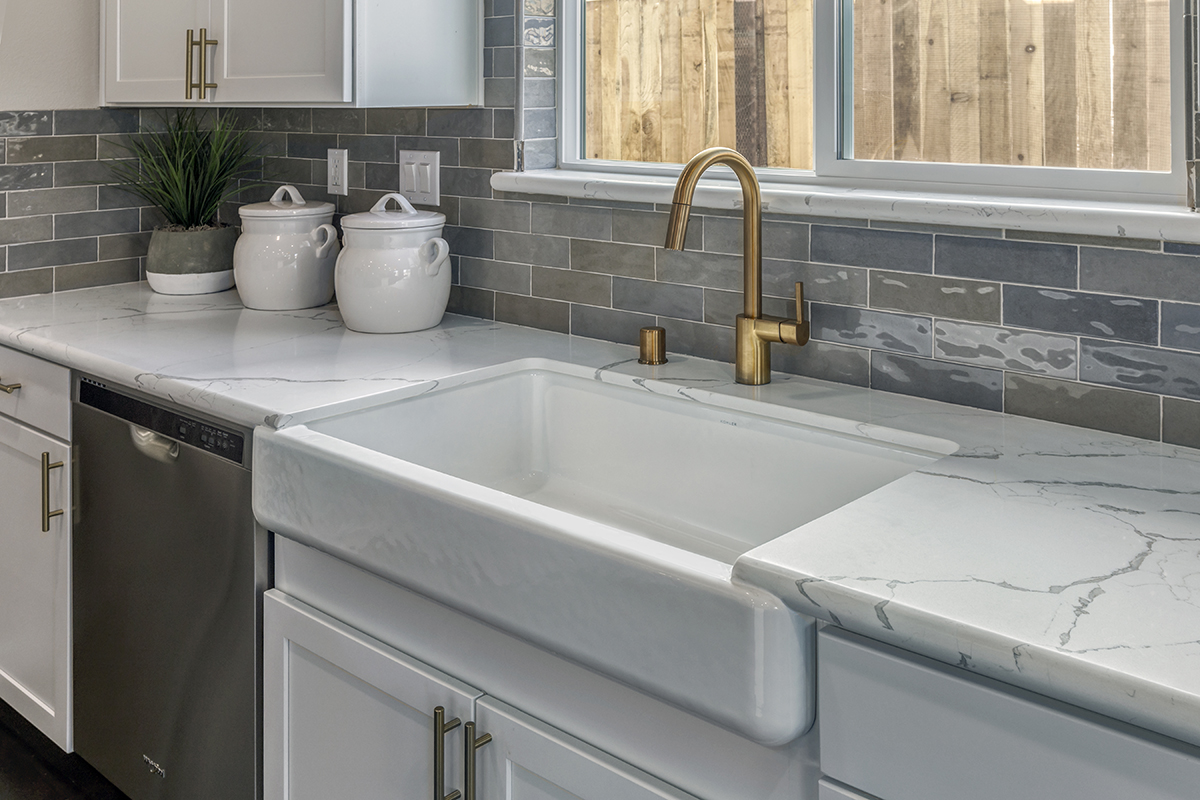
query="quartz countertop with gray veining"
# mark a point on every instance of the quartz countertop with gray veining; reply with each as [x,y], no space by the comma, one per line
[1062,560]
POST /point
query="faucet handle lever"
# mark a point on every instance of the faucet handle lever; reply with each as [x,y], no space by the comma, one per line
[799,301]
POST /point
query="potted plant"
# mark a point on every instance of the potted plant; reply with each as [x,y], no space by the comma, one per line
[187,172]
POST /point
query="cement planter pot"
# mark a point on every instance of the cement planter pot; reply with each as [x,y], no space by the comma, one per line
[191,262]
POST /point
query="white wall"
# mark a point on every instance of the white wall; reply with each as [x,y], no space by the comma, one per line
[49,54]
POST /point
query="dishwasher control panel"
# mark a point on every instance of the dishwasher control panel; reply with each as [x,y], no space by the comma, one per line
[203,435]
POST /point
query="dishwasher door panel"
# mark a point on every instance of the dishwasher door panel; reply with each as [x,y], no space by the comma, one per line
[166,617]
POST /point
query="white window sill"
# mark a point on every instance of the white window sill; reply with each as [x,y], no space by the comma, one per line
[1080,217]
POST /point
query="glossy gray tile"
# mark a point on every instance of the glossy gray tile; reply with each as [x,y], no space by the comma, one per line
[1109,316]
[1007,261]
[533,312]
[1164,276]
[1006,348]
[954,298]
[1113,410]
[1146,369]
[661,299]
[881,330]
[864,247]
[824,361]
[629,260]
[938,380]
[1181,326]
[1181,422]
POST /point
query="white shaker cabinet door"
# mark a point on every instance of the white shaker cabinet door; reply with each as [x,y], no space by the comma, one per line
[35,579]
[529,760]
[283,51]
[347,716]
[146,49]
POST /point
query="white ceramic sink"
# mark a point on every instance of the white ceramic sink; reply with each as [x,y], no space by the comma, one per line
[597,518]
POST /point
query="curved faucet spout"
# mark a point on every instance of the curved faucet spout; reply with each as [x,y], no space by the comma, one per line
[681,209]
[754,331]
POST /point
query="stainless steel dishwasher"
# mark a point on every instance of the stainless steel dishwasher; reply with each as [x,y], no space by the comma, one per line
[168,573]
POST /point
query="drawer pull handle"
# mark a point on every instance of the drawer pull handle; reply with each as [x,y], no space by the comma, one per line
[9,388]
[472,744]
[203,43]
[440,729]
[47,514]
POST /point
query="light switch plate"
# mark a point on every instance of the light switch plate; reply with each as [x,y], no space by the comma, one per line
[420,176]
[338,177]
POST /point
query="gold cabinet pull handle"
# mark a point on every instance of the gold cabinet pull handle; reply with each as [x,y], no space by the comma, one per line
[440,729]
[188,75]
[9,388]
[205,43]
[471,745]
[47,514]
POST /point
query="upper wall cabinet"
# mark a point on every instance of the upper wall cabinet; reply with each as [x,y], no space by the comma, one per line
[293,52]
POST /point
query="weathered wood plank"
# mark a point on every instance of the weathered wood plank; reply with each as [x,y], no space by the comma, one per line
[725,97]
[629,49]
[610,80]
[873,79]
[935,81]
[650,86]
[1093,83]
[1130,106]
[995,118]
[695,69]
[593,93]
[800,83]
[1158,85]
[906,90]
[962,27]
[1026,69]
[672,85]
[1060,112]
[778,89]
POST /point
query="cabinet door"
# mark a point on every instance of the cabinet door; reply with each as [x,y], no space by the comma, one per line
[283,51]
[146,49]
[529,760]
[346,716]
[35,581]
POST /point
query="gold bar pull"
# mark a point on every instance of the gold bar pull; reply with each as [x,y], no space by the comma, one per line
[799,301]
[472,744]
[191,45]
[205,43]
[47,514]
[440,729]
[9,388]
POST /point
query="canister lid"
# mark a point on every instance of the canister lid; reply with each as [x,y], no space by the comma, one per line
[380,218]
[286,203]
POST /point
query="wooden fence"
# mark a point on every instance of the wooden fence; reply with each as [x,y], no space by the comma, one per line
[1072,83]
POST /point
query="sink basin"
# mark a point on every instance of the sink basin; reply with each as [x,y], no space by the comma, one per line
[598,518]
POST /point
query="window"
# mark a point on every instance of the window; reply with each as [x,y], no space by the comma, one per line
[1043,98]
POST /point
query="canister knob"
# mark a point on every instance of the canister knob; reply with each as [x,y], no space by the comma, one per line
[653,346]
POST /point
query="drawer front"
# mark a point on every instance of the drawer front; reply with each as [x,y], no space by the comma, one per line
[901,727]
[44,399]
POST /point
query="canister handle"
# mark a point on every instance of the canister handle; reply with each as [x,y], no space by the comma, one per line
[381,206]
[331,238]
[291,191]
[441,253]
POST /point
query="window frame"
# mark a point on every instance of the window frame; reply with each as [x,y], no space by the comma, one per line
[983,183]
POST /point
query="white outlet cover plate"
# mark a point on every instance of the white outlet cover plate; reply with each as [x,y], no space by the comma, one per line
[338,177]
[420,176]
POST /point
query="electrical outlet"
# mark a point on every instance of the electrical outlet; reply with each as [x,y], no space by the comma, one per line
[338,177]
[420,176]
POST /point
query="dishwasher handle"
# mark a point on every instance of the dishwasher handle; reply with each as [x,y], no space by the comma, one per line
[154,445]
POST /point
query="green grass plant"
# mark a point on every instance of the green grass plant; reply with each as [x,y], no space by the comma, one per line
[187,170]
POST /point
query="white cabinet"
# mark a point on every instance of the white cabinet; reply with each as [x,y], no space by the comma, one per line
[35,548]
[529,760]
[281,51]
[294,52]
[348,716]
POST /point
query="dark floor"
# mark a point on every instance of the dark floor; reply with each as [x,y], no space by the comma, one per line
[33,768]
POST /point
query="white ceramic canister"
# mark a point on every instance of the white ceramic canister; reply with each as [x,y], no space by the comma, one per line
[394,274]
[285,257]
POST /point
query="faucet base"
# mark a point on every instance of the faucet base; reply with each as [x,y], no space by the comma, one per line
[753,362]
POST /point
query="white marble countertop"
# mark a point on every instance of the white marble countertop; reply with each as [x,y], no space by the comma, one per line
[1059,559]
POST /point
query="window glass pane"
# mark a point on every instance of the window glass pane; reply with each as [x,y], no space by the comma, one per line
[1058,83]
[665,79]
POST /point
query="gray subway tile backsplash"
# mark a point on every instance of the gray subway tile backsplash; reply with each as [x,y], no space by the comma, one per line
[1114,410]
[1113,317]
[859,247]
[1007,348]
[1094,331]
[1007,261]
[1181,326]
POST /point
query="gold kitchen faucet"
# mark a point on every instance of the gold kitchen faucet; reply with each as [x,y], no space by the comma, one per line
[754,330]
